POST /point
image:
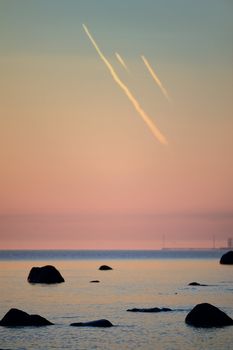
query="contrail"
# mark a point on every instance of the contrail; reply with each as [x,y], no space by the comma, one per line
[155,77]
[122,62]
[156,132]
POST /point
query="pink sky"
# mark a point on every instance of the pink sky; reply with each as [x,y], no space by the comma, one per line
[79,167]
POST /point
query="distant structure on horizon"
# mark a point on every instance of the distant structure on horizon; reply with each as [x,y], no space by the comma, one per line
[229,245]
[165,247]
[229,242]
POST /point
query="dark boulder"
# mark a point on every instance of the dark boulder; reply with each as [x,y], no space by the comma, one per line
[227,258]
[197,284]
[97,323]
[153,309]
[18,318]
[95,281]
[105,267]
[45,274]
[207,315]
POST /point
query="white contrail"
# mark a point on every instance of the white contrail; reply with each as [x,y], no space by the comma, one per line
[156,132]
[156,79]
[122,62]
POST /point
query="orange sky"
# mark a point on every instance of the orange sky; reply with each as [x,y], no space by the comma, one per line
[79,168]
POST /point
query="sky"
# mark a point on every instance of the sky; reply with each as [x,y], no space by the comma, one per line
[80,168]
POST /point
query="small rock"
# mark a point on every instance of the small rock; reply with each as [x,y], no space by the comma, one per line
[105,267]
[154,309]
[227,258]
[197,284]
[19,318]
[207,315]
[96,323]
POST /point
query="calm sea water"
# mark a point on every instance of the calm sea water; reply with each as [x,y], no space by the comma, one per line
[138,279]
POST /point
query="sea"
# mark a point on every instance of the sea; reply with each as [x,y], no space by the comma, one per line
[139,279]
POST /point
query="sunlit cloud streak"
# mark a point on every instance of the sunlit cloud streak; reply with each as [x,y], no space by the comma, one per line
[156,132]
[122,62]
[155,77]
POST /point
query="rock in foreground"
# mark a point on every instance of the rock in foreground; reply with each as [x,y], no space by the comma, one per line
[227,258]
[45,274]
[153,309]
[207,315]
[97,323]
[18,318]
[105,267]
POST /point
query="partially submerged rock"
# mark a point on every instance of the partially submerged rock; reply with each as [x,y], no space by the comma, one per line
[207,315]
[153,309]
[227,258]
[96,323]
[105,267]
[19,318]
[197,284]
[46,274]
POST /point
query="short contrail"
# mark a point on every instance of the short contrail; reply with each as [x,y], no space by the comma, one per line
[122,62]
[156,132]
[156,79]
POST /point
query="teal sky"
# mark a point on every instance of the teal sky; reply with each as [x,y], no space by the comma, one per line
[181,28]
[72,145]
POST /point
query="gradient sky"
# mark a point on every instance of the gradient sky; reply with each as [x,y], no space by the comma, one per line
[79,167]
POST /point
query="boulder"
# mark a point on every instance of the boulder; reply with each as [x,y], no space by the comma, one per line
[207,315]
[45,274]
[105,267]
[197,284]
[153,309]
[227,258]
[18,318]
[96,323]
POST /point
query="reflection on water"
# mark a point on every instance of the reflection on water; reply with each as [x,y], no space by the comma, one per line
[131,283]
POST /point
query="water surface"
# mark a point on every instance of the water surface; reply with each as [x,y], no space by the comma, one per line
[144,279]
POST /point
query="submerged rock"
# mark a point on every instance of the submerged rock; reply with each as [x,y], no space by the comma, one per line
[45,274]
[227,258]
[207,315]
[17,318]
[197,284]
[105,267]
[153,309]
[96,323]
